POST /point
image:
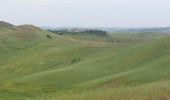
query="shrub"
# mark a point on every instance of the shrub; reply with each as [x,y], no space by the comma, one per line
[48,36]
[75,60]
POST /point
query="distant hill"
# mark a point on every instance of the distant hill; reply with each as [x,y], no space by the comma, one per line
[118,30]
[135,30]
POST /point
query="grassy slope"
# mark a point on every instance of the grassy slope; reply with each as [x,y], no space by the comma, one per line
[34,66]
[5,26]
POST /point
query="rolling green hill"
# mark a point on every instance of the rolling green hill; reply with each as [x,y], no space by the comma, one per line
[38,65]
[4,26]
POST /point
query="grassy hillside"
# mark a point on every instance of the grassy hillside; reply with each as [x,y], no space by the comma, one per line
[4,26]
[116,67]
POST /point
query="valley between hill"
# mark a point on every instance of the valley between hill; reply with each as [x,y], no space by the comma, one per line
[36,64]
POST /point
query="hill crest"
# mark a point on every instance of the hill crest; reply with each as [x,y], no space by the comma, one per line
[5,24]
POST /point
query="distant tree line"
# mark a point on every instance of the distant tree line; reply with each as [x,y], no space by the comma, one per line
[81,32]
[96,32]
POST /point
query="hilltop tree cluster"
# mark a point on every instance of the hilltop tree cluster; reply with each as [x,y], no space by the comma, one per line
[79,31]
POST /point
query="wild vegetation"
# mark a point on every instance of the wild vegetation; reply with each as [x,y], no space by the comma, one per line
[36,64]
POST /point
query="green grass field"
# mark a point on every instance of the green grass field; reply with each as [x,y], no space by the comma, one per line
[122,66]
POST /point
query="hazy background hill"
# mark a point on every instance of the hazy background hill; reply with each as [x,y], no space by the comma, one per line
[136,30]
[118,30]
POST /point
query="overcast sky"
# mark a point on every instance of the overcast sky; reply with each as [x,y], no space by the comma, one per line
[87,13]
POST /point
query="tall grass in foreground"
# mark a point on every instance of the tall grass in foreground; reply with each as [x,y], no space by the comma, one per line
[153,91]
